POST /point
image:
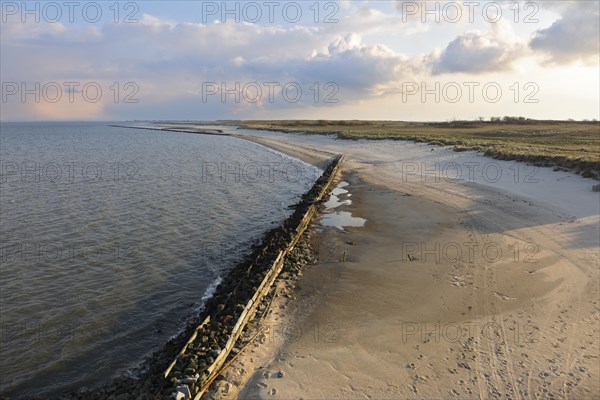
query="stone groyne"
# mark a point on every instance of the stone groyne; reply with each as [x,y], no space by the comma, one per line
[236,299]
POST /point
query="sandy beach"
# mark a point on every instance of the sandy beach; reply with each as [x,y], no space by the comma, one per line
[451,289]
[205,200]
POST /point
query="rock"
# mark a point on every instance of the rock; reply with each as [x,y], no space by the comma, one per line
[178,396]
[596,188]
[185,390]
[189,380]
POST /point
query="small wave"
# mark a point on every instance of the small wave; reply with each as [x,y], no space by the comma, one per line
[209,292]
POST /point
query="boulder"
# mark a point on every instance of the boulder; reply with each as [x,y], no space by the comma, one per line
[185,390]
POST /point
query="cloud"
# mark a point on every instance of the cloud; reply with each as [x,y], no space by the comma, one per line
[479,52]
[364,55]
[573,37]
[360,71]
[171,61]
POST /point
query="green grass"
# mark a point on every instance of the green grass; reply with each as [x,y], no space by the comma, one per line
[568,145]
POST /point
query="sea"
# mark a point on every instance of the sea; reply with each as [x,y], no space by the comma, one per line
[112,238]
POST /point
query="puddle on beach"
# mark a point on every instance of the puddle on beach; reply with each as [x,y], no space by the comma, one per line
[340,219]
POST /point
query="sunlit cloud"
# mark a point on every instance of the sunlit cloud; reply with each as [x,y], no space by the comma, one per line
[369,54]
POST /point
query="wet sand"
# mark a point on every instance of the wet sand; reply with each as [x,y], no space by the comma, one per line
[450,290]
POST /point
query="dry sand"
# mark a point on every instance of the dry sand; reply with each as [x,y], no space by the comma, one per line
[451,290]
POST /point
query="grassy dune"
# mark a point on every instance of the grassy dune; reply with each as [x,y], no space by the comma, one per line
[567,145]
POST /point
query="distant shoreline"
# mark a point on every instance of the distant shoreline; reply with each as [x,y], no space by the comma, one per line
[216,132]
[565,145]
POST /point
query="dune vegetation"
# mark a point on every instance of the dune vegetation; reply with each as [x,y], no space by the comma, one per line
[566,145]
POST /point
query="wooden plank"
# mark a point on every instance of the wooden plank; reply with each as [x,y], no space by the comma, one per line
[190,340]
[245,317]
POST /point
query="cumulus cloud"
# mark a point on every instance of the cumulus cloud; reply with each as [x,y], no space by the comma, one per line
[357,70]
[573,37]
[480,52]
[363,54]
[369,69]
[172,61]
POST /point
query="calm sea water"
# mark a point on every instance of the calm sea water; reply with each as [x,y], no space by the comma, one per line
[111,237]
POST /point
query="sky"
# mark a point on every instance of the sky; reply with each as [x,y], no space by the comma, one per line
[375,60]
